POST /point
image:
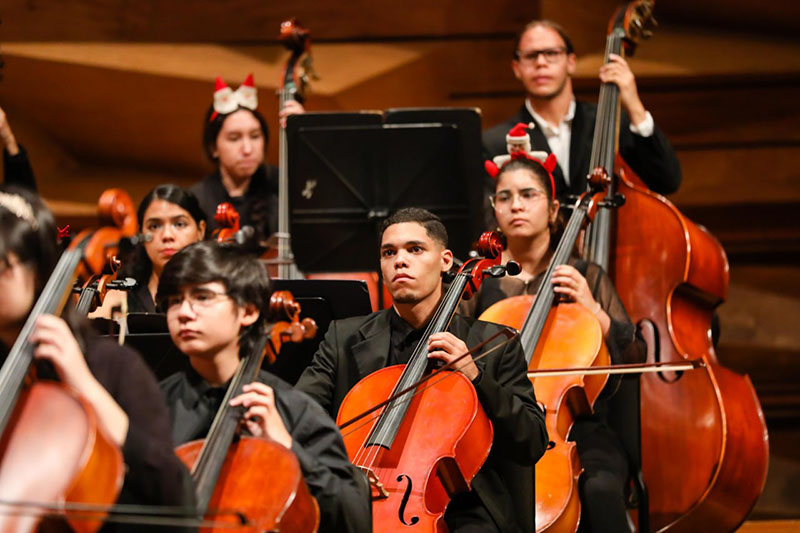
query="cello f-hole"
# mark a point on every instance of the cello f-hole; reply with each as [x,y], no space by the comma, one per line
[406,495]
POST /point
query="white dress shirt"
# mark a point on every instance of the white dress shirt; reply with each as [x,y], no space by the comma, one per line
[559,136]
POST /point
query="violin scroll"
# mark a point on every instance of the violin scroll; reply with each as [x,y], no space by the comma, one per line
[227,218]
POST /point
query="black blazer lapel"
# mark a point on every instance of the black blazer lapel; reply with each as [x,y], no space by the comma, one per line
[370,354]
[580,146]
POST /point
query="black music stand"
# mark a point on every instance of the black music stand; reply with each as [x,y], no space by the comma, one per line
[349,171]
[148,335]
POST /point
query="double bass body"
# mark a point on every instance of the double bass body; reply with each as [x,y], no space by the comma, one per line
[704,439]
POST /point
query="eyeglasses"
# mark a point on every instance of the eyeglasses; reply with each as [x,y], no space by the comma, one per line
[197,298]
[504,199]
[551,55]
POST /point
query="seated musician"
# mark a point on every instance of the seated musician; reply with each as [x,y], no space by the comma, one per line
[170,218]
[215,297]
[235,139]
[527,214]
[413,257]
[112,379]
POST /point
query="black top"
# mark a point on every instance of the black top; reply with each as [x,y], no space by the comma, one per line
[17,169]
[355,347]
[140,300]
[652,158]
[153,473]
[257,207]
[340,489]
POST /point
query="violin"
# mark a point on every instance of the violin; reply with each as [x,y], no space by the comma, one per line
[292,87]
[394,448]
[257,477]
[556,336]
[54,454]
[704,439]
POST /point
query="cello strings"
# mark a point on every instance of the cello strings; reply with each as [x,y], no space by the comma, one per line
[384,425]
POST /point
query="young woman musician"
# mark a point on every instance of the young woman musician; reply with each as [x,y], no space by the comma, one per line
[235,139]
[112,379]
[527,214]
[171,218]
[215,297]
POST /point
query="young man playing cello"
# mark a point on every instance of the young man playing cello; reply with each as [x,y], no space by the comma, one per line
[215,297]
[413,257]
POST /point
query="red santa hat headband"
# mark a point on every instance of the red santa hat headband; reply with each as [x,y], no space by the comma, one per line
[226,100]
[518,142]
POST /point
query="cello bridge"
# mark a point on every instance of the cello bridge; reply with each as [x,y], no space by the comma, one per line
[376,487]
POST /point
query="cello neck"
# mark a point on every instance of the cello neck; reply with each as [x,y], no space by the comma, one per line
[389,422]
[545,295]
[223,429]
[51,301]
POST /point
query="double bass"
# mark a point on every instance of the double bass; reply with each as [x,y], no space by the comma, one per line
[292,86]
[556,334]
[414,471]
[704,438]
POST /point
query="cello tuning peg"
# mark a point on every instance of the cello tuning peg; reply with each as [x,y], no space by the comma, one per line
[512,268]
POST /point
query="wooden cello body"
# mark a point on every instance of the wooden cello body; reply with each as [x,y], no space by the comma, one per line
[704,438]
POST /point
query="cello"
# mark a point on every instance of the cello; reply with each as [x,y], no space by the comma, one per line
[557,336]
[258,478]
[411,475]
[54,455]
[704,438]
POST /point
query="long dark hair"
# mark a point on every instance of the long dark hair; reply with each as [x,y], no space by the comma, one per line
[140,267]
[28,230]
[245,279]
[213,126]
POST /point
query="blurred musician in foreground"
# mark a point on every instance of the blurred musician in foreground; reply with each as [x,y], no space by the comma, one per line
[527,214]
[544,62]
[112,379]
[170,218]
[17,168]
[235,139]
[216,298]
[413,257]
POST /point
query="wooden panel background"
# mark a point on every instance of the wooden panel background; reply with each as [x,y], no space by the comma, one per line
[112,92]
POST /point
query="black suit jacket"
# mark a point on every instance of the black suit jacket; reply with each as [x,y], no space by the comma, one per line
[652,158]
[355,347]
